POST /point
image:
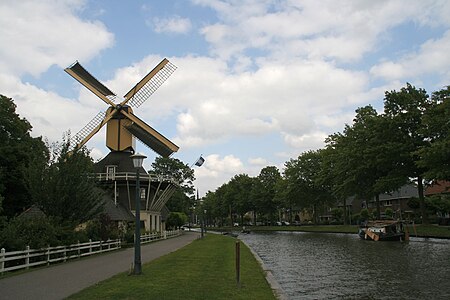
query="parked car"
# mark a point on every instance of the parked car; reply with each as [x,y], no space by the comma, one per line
[185,227]
[296,223]
[279,223]
[285,223]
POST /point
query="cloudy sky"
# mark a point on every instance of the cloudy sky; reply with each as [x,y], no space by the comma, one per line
[258,81]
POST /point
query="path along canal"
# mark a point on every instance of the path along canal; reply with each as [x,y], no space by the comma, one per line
[342,266]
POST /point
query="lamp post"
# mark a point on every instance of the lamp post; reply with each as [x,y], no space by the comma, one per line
[138,159]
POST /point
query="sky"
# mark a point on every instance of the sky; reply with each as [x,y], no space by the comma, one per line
[258,82]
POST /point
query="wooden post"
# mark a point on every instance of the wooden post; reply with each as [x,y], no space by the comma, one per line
[2,260]
[90,246]
[238,263]
[27,259]
[48,255]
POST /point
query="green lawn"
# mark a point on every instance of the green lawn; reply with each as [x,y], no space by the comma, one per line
[205,269]
[430,231]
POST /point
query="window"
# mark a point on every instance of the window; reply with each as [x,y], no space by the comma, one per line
[111,172]
[142,193]
[388,203]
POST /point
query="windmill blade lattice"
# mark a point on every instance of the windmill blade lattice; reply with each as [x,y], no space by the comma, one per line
[86,130]
[152,85]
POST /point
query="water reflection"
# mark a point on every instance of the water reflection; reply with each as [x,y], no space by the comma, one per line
[341,266]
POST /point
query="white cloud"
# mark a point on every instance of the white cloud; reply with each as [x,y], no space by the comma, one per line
[38,34]
[46,111]
[258,161]
[217,170]
[275,97]
[314,29]
[432,57]
[311,141]
[175,24]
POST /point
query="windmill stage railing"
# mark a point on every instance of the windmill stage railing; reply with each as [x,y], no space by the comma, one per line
[131,176]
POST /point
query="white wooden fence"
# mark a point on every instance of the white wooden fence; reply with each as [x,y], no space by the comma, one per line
[150,237]
[16,260]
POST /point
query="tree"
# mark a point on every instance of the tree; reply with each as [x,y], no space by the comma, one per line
[183,199]
[223,204]
[305,184]
[372,150]
[238,193]
[176,219]
[19,154]
[65,188]
[406,109]
[263,194]
[435,159]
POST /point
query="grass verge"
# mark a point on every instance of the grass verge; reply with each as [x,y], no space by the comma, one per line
[205,269]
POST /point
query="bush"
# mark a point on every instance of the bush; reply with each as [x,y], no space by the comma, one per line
[176,220]
[356,219]
[364,213]
[337,214]
[389,213]
[37,233]
[102,228]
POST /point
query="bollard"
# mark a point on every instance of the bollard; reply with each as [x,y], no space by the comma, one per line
[238,263]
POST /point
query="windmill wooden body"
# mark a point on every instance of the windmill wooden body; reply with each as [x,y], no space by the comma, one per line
[115,172]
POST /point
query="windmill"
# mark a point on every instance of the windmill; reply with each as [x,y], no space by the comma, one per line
[116,172]
[123,126]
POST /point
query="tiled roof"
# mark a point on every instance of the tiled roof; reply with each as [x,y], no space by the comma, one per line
[438,187]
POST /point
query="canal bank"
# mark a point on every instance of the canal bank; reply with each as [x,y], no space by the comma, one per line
[421,231]
[275,286]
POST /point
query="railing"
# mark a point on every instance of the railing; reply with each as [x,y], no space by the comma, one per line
[155,236]
[16,260]
[131,176]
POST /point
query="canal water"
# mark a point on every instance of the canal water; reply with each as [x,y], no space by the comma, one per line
[342,266]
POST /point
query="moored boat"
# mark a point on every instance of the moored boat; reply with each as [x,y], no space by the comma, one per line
[383,230]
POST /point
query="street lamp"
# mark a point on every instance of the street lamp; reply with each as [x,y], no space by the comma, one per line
[138,159]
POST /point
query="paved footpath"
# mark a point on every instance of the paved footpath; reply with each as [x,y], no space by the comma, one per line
[62,280]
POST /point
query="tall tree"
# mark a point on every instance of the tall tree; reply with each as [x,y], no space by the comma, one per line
[19,152]
[65,188]
[373,152]
[406,109]
[183,199]
[239,194]
[264,192]
[302,175]
[436,158]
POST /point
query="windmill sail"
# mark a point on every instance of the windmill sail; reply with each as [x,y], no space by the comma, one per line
[150,83]
[85,78]
[122,124]
[92,127]
[150,137]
